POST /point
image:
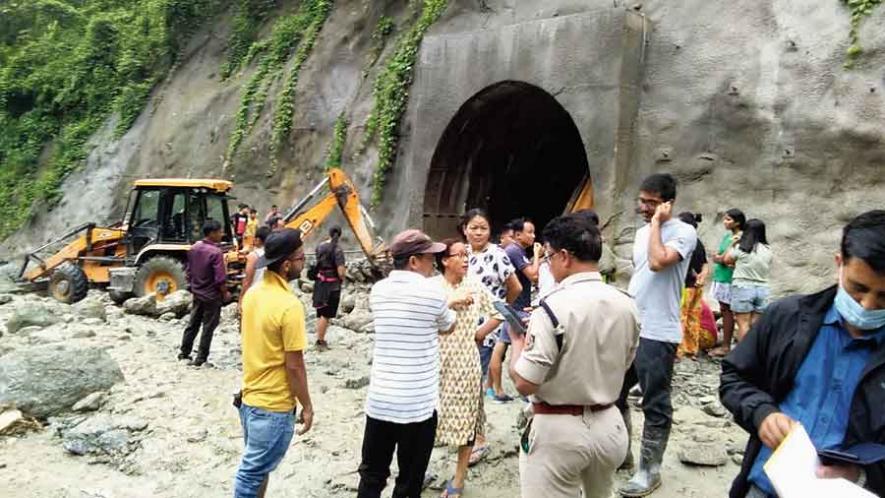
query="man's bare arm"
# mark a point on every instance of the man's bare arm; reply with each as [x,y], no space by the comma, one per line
[296,372]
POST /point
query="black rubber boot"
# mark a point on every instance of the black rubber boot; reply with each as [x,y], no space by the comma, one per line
[648,478]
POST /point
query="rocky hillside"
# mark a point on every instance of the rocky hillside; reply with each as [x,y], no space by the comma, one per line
[750,104]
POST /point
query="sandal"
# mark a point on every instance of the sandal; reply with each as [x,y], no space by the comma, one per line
[451,491]
[478,454]
[719,352]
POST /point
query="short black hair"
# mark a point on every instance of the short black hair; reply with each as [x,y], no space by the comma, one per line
[691,218]
[589,215]
[662,184]
[272,222]
[253,210]
[469,215]
[262,233]
[754,234]
[401,262]
[210,226]
[273,206]
[516,224]
[577,235]
[864,238]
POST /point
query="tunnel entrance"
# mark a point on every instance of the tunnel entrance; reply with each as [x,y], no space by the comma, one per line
[511,149]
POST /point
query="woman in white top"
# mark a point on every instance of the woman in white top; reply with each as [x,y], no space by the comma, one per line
[751,258]
[254,275]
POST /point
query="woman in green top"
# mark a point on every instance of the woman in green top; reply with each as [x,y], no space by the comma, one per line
[734,222]
[751,258]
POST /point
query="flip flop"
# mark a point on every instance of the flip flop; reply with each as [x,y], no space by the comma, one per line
[478,454]
[451,491]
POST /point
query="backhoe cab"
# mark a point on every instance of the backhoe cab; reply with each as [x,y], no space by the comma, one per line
[145,253]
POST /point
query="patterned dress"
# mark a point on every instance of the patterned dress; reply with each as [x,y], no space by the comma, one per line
[461,414]
[492,267]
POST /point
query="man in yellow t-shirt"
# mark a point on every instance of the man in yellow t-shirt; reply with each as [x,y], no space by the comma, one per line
[274,375]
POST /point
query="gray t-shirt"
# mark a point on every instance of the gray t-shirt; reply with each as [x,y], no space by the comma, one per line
[658,294]
[751,268]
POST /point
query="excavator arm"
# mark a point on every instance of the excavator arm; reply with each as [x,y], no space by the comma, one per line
[343,194]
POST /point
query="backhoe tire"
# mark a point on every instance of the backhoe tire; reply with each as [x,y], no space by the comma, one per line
[68,284]
[119,297]
[161,276]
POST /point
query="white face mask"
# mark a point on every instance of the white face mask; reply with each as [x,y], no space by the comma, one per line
[855,314]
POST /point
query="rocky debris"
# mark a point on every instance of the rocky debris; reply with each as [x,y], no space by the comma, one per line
[145,306]
[177,303]
[357,383]
[704,454]
[5,299]
[31,314]
[14,422]
[306,286]
[348,303]
[43,381]
[91,402]
[83,334]
[167,317]
[105,438]
[359,321]
[715,409]
[90,308]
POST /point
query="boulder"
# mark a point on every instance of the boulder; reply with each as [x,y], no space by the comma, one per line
[359,321]
[102,436]
[705,454]
[43,381]
[348,303]
[91,403]
[31,315]
[91,308]
[145,305]
[177,303]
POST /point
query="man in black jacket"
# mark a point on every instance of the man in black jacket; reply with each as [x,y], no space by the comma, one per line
[818,360]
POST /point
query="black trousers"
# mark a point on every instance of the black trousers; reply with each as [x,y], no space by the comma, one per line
[653,369]
[413,444]
[207,314]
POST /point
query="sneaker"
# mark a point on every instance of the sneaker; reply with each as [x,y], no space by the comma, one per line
[490,393]
[182,357]
[322,346]
[504,398]
[199,362]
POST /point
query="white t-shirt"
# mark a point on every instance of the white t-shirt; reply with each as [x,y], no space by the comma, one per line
[259,272]
[658,294]
[409,313]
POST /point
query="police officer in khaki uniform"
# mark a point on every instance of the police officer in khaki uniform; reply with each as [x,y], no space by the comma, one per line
[572,361]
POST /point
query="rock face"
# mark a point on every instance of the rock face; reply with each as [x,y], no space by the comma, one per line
[31,315]
[44,381]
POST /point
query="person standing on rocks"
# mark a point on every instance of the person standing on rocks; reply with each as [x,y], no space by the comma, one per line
[751,258]
[207,280]
[252,274]
[409,311]
[461,414]
[327,290]
[251,230]
[572,362]
[274,375]
[817,360]
[734,222]
[661,253]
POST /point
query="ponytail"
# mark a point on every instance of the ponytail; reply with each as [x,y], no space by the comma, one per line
[335,234]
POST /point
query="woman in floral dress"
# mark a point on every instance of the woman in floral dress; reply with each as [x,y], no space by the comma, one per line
[461,416]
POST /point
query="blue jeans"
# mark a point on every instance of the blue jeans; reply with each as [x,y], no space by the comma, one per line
[267,436]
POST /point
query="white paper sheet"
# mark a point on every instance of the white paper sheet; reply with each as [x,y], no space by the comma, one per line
[792,470]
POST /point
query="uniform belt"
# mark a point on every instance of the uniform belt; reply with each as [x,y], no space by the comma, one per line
[546,409]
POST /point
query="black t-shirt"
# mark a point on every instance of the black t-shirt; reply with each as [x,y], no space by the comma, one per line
[329,258]
[696,265]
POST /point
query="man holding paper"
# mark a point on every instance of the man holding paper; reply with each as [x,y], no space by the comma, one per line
[818,360]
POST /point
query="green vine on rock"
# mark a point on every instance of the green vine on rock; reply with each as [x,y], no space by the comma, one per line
[296,32]
[335,153]
[859,10]
[391,94]
[317,11]
[382,31]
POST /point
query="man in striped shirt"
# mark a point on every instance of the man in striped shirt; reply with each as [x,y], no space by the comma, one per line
[410,312]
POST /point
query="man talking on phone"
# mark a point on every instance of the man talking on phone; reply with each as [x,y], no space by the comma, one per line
[662,251]
[572,361]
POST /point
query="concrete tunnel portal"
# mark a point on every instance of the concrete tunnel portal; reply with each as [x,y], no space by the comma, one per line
[512,150]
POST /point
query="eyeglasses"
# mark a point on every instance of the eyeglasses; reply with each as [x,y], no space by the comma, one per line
[462,255]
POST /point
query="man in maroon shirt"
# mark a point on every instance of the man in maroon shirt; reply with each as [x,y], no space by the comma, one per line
[207,278]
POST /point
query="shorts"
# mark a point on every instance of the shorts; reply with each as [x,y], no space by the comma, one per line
[504,332]
[721,292]
[749,299]
[267,436]
[330,309]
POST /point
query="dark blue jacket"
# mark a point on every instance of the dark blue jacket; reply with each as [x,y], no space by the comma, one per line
[758,374]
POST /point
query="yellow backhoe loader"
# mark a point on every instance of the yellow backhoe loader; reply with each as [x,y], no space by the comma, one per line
[146,252]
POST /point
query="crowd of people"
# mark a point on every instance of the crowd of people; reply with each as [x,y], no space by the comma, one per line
[578,346]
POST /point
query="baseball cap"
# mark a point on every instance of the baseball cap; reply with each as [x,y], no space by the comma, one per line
[279,245]
[414,241]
